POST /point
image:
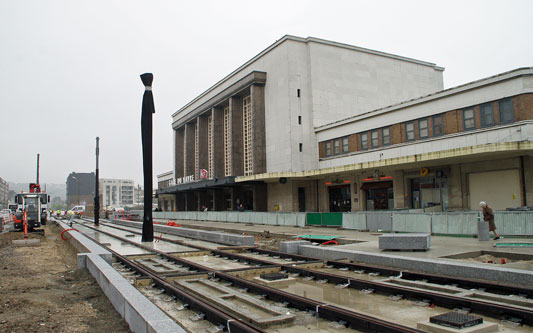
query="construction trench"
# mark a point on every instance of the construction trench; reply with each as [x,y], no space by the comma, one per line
[206,286]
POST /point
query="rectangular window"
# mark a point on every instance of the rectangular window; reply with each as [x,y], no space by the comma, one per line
[301,147]
[423,130]
[298,92]
[345,145]
[364,141]
[336,147]
[374,135]
[247,135]
[327,146]
[385,136]
[409,131]
[486,115]
[299,120]
[469,122]
[438,127]
[227,142]
[505,107]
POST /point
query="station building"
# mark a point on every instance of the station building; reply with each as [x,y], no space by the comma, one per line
[314,125]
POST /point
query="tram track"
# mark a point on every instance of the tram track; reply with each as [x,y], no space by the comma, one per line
[350,318]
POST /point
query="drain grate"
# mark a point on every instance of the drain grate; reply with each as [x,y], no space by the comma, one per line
[274,276]
[456,320]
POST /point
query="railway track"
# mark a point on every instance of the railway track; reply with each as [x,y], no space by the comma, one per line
[449,293]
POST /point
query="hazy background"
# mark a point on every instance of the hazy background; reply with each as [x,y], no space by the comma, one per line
[70,69]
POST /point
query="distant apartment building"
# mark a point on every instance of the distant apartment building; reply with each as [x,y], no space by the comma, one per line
[116,192]
[80,188]
[4,192]
[166,202]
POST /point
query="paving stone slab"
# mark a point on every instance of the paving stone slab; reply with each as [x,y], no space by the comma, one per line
[405,241]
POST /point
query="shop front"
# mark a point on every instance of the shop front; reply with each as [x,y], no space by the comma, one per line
[379,195]
[430,191]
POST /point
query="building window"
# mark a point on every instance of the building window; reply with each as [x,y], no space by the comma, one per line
[301,147]
[374,135]
[469,122]
[486,115]
[385,136]
[299,120]
[327,145]
[409,131]
[506,111]
[423,130]
[364,141]
[196,152]
[336,147]
[210,161]
[345,145]
[438,128]
[227,142]
[247,135]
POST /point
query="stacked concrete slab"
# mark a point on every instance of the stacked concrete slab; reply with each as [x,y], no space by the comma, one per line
[292,247]
[140,314]
[210,236]
[405,241]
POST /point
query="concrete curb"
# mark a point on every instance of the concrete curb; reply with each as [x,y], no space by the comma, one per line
[139,312]
[434,266]
[210,236]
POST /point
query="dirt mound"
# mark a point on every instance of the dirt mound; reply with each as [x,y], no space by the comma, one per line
[43,291]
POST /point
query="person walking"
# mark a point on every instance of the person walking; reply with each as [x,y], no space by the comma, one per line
[488,215]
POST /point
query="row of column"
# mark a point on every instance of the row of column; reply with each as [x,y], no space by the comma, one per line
[188,161]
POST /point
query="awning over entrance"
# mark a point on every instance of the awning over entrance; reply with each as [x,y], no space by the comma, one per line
[203,184]
[376,185]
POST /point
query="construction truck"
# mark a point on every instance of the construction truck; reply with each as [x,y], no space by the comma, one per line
[35,204]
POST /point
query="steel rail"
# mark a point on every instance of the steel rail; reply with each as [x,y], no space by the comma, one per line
[214,315]
[323,310]
[447,301]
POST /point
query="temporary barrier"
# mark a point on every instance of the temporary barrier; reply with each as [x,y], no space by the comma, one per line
[459,223]
[379,221]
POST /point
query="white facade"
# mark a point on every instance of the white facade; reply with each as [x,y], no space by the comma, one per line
[116,192]
[311,82]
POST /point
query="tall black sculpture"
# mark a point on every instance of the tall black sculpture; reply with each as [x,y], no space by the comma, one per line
[146,131]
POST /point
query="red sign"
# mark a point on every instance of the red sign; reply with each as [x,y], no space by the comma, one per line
[203,174]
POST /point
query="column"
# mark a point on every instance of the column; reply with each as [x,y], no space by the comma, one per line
[202,143]
[179,153]
[189,149]
[258,128]
[218,142]
[235,106]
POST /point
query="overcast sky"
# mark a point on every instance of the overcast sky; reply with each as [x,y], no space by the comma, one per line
[70,69]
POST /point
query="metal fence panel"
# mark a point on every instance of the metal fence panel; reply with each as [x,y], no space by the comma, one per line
[462,223]
[411,222]
[332,219]
[514,223]
[314,219]
[439,223]
[354,221]
[379,221]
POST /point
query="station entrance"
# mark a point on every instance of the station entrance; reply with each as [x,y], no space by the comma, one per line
[340,199]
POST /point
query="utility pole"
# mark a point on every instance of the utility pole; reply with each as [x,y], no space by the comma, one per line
[97,187]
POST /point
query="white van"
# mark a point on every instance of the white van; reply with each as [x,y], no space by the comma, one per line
[77,210]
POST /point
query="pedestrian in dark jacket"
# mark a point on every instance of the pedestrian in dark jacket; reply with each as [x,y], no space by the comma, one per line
[488,215]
